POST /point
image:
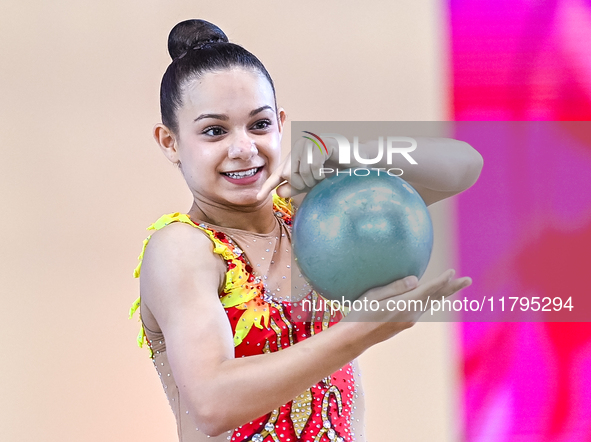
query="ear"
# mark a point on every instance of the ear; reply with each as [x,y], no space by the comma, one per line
[281,117]
[167,142]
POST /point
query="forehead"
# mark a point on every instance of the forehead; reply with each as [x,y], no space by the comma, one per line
[226,91]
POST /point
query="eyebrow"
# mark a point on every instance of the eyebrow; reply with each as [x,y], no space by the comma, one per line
[225,117]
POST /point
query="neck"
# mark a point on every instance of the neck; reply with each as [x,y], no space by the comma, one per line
[258,219]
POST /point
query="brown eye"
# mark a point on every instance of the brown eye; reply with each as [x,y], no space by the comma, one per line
[214,131]
[262,125]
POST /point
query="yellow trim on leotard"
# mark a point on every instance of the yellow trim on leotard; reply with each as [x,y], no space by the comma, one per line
[238,291]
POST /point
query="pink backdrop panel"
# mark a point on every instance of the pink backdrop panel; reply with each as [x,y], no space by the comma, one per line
[525,228]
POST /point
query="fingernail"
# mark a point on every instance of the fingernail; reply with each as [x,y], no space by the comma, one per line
[410,281]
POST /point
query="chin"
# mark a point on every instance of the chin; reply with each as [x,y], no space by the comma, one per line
[245,199]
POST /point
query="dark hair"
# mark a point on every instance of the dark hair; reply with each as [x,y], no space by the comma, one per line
[196,47]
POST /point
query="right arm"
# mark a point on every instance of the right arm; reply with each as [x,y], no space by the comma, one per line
[180,282]
[445,167]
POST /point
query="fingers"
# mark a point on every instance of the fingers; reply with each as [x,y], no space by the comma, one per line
[444,285]
[395,288]
[273,181]
[277,177]
[458,285]
[310,171]
[311,160]
[441,287]
[300,171]
[443,280]
[286,191]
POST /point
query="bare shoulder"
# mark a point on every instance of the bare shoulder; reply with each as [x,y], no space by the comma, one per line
[179,247]
[179,270]
[179,240]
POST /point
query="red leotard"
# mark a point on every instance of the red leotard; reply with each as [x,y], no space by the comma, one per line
[258,269]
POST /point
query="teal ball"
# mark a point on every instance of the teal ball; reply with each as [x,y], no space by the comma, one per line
[353,233]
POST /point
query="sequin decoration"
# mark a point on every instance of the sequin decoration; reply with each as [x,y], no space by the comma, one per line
[262,322]
[242,289]
[301,410]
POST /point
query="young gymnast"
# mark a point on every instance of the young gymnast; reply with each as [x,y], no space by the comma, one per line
[215,282]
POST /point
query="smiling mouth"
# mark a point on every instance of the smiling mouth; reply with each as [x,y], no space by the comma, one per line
[242,173]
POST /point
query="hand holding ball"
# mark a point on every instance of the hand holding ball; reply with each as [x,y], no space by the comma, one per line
[353,233]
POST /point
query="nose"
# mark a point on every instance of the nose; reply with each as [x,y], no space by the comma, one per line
[243,148]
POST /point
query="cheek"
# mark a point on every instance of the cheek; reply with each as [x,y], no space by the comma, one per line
[275,151]
[276,159]
[196,166]
[201,157]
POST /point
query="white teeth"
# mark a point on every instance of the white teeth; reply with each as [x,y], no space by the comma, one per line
[242,174]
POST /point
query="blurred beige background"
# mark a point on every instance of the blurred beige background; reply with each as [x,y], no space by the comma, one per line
[81,177]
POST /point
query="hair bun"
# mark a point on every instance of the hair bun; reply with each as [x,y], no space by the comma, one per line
[193,34]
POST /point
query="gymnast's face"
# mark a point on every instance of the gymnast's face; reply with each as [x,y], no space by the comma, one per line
[229,136]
